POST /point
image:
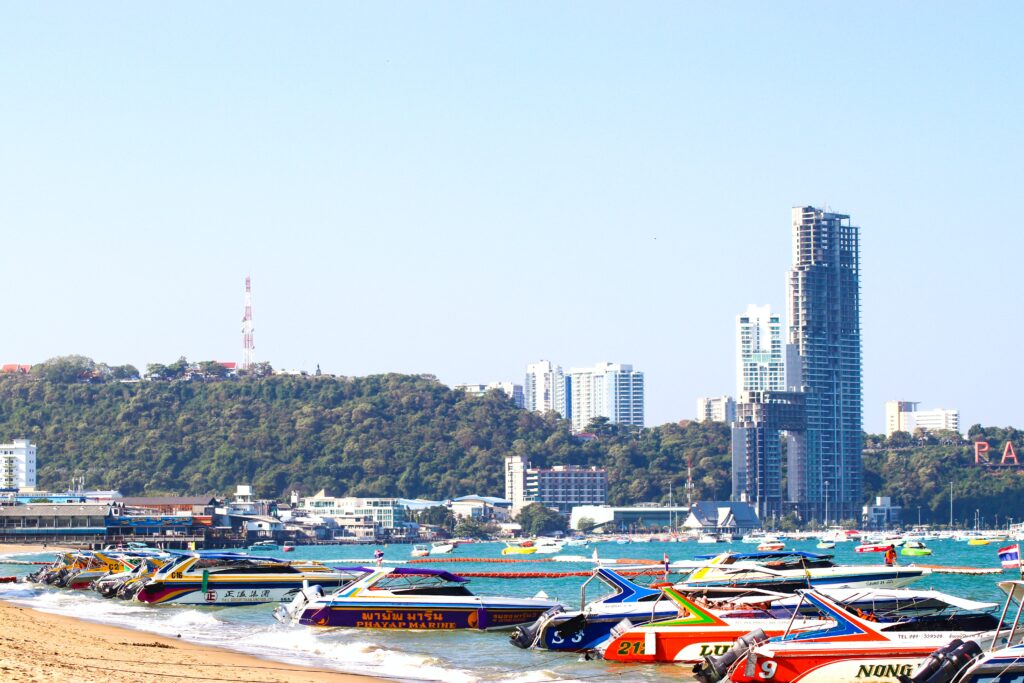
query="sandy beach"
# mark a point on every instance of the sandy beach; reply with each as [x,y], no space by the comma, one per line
[17,548]
[36,646]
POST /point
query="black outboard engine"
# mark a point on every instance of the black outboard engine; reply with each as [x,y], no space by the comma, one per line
[714,669]
[944,664]
[526,636]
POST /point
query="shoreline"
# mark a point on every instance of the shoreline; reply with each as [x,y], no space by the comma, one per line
[39,646]
[31,549]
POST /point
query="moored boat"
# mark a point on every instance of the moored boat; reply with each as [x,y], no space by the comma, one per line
[518,549]
[412,599]
[915,549]
[264,546]
[441,547]
[234,579]
[420,550]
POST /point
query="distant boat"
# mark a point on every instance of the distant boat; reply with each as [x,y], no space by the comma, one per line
[441,547]
[265,545]
[915,548]
[826,545]
[709,538]
[512,549]
[288,547]
[420,550]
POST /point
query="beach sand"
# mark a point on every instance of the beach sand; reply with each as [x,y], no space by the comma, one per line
[36,646]
[15,548]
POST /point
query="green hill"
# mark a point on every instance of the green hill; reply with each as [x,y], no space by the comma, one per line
[384,435]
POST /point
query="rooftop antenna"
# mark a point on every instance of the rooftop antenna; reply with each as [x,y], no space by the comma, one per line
[248,348]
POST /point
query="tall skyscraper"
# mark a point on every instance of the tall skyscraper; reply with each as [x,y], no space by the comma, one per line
[611,390]
[819,409]
[824,461]
[760,365]
[545,388]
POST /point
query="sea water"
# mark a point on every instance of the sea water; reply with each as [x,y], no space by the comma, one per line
[459,656]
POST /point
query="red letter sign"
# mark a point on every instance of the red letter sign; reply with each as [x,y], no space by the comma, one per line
[1008,454]
[980,449]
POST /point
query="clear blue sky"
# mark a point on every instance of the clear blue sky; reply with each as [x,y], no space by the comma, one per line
[462,188]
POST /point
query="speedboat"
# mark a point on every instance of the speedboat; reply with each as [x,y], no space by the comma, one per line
[264,545]
[966,662]
[788,571]
[518,549]
[849,647]
[409,598]
[698,631]
[234,579]
[288,547]
[441,547]
[548,546]
[78,570]
[586,628]
[420,550]
[577,542]
[915,549]
[826,545]
[709,538]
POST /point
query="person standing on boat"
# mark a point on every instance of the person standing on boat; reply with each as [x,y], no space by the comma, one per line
[890,556]
[378,557]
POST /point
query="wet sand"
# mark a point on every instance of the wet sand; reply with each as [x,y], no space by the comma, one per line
[36,646]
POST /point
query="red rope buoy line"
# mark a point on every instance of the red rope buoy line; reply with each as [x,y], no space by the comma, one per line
[549,575]
[510,560]
[8,579]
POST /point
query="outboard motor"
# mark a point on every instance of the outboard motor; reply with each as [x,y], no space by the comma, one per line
[527,636]
[943,665]
[714,669]
[293,610]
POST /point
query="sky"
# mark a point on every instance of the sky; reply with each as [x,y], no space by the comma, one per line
[463,188]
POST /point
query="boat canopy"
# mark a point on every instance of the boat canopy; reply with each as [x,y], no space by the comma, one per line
[769,555]
[406,571]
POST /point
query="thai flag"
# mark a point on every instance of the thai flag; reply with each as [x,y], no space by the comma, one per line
[1010,556]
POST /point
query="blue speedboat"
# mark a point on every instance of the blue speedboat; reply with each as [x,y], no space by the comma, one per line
[584,629]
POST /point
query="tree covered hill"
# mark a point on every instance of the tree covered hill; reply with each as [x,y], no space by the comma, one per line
[383,435]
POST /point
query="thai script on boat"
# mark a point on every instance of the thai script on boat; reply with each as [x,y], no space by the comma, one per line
[410,620]
[981,454]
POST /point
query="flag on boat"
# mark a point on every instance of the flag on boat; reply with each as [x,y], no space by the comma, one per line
[1010,556]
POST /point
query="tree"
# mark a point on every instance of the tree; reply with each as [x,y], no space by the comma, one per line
[474,528]
[536,520]
[585,524]
[66,369]
[437,515]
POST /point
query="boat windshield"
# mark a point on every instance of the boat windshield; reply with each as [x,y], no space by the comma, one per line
[419,584]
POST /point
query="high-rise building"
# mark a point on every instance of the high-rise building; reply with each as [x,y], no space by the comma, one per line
[716,409]
[611,390]
[904,416]
[560,487]
[18,465]
[824,330]
[760,365]
[544,388]
[512,390]
[819,410]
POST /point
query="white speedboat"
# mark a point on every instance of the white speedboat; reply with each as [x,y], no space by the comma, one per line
[441,547]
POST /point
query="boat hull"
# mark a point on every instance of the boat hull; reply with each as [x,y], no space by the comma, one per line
[686,645]
[433,617]
[187,592]
[848,667]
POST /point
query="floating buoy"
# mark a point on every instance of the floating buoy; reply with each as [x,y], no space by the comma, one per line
[8,579]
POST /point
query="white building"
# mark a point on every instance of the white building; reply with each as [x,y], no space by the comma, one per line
[760,364]
[545,388]
[388,513]
[611,390]
[561,487]
[716,409]
[18,465]
[512,390]
[904,416]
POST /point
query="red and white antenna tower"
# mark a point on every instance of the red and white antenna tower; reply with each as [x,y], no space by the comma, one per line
[248,348]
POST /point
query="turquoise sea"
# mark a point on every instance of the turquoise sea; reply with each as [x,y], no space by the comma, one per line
[452,657]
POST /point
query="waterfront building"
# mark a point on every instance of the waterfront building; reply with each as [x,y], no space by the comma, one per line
[882,514]
[760,365]
[18,465]
[716,409]
[559,487]
[544,389]
[651,517]
[512,390]
[387,513]
[483,508]
[904,416]
[824,331]
[728,518]
[611,390]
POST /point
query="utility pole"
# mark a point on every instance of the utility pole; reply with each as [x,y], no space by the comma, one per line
[950,505]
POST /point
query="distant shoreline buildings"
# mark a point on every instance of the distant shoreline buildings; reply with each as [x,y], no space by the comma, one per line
[904,416]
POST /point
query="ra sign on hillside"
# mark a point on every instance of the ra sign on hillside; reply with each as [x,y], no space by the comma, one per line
[981,457]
